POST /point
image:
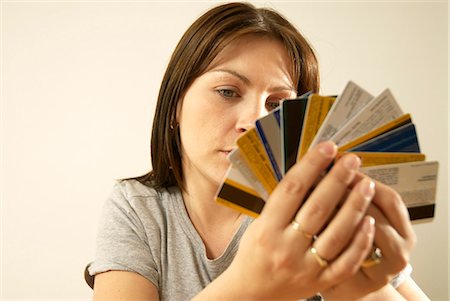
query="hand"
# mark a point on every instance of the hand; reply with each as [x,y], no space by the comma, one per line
[275,261]
[394,236]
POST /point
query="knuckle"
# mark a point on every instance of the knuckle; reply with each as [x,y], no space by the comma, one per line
[395,201]
[283,260]
[359,206]
[336,238]
[347,272]
[412,241]
[293,186]
[264,239]
[353,268]
[347,269]
[317,160]
[342,175]
[401,262]
[363,244]
[317,209]
[382,280]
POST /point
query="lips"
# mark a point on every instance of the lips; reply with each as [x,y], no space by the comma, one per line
[226,152]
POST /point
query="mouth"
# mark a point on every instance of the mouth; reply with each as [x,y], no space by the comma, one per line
[225,152]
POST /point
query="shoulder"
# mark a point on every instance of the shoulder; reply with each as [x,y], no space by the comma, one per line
[133,190]
[135,199]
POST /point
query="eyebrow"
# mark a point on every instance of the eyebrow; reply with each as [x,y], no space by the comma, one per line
[247,81]
[236,74]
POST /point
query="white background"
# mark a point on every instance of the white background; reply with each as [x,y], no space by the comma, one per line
[79,84]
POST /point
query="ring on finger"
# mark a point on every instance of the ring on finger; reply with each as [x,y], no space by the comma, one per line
[373,259]
[322,262]
[296,226]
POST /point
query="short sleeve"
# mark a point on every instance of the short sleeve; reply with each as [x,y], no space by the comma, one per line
[122,242]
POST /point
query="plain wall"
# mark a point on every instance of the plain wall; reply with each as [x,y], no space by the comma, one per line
[79,84]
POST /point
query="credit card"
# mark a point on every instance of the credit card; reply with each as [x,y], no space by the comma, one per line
[383,158]
[293,113]
[382,109]
[235,157]
[316,111]
[255,156]
[398,122]
[402,139]
[268,128]
[347,105]
[415,182]
[237,193]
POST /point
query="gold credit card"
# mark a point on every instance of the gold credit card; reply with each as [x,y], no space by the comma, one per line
[381,158]
[254,154]
[316,111]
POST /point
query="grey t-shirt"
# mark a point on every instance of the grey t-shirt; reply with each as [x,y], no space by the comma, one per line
[149,232]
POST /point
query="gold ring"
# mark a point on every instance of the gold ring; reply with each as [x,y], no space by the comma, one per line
[297,227]
[373,259]
[322,262]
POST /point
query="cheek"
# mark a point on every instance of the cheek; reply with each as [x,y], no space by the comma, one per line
[207,119]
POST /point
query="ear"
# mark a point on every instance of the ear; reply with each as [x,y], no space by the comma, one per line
[178,111]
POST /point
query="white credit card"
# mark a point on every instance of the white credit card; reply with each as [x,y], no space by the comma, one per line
[268,128]
[379,111]
[236,159]
[237,193]
[347,105]
[415,182]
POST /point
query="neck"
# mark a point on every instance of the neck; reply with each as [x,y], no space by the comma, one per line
[216,224]
[199,199]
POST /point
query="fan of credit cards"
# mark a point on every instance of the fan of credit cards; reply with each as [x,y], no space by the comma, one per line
[373,128]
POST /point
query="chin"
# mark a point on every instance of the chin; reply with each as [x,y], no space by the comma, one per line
[219,175]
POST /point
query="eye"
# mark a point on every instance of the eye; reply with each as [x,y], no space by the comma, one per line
[272,105]
[274,101]
[227,93]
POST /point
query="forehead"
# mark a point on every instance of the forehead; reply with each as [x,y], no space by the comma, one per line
[250,45]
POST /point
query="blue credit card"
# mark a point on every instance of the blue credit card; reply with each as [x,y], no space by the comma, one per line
[402,139]
[268,128]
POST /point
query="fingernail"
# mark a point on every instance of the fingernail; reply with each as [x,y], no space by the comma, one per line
[367,189]
[368,225]
[328,149]
[351,162]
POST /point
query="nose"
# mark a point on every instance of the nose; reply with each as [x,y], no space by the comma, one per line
[248,113]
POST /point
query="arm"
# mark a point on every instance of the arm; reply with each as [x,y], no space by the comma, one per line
[385,293]
[411,291]
[123,286]
[408,290]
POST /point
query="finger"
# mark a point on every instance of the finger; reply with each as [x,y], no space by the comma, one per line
[321,204]
[339,232]
[395,249]
[393,207]
[349,262]
[290,192]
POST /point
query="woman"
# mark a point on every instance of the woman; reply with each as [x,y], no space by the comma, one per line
[163,237]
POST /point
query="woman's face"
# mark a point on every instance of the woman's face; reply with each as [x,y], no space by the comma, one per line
[244,82]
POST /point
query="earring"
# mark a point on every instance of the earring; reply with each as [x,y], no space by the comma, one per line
[173,124]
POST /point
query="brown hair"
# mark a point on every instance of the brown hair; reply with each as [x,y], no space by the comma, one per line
[199,45]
